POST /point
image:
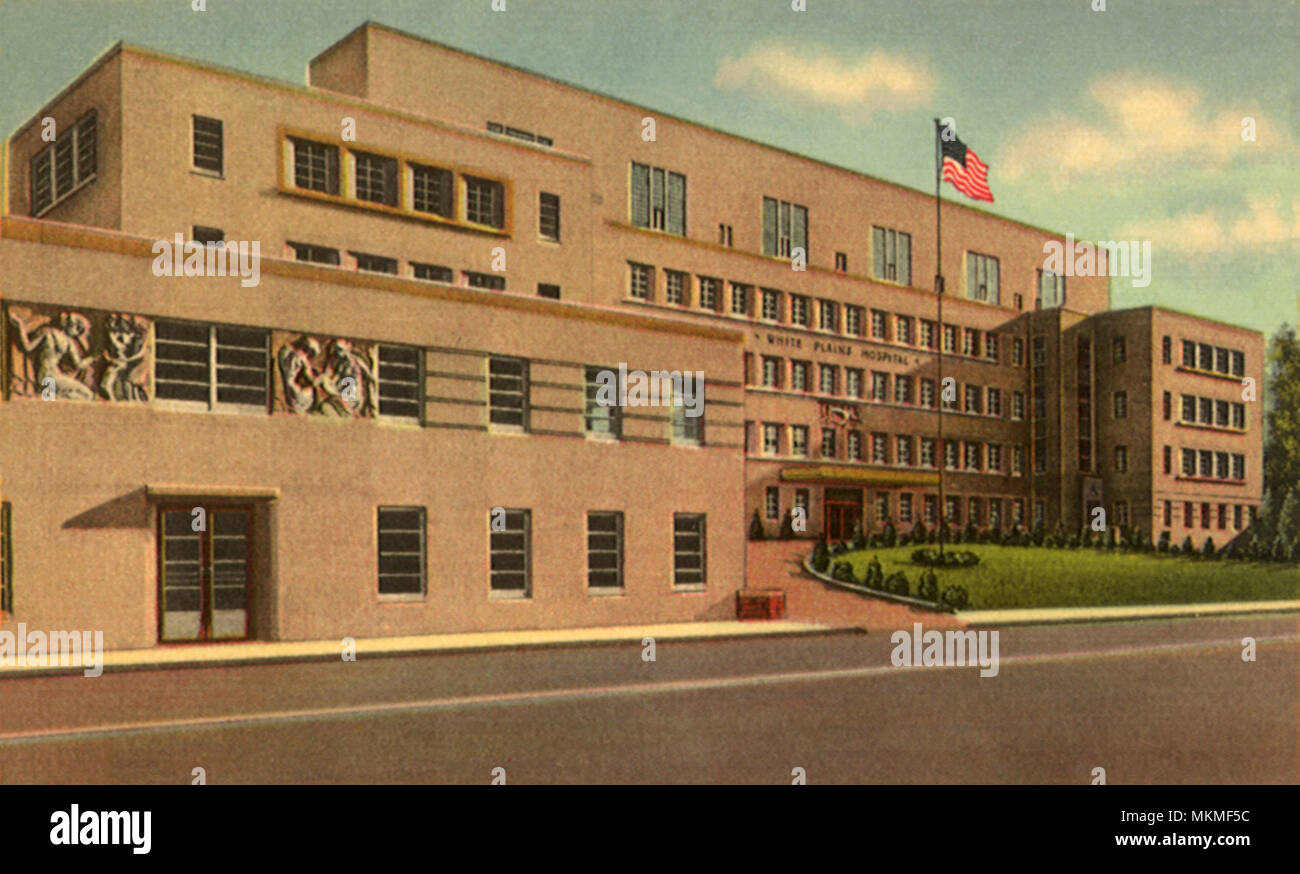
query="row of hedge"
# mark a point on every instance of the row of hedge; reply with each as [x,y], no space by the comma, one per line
[1247,546]
[927,588]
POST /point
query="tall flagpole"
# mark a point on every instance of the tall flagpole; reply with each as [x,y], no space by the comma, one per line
[940,448]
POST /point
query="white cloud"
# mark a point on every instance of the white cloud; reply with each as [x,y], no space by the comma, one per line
[1136,125]
[872,81]
[1210,232]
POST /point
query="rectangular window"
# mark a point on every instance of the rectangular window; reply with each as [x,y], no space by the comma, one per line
[841,262]
[982,278]
[401,550]
[771,439]
[905,508]
[891,255]
[971,343]
[949,339]
[928,338]
[431,190]
[903,451]
[991,346]
[604,416]
[1167,405]
[60,168]
[927,452]
[879,449]
[1051,290]
[658,199]
[740,299]
[994,402]
[853,382]
[927,393]
[974,506]
[1017,405]
[208,236]
[1166,352]
[853,320]
[315,254]
[688,549]
[879,329]
[951,454]
[771,305]
[995,457]
[485,202]
[1236,517]
[1205,515]
[771,372]
[709,288]
[1220,360]
[7,560]
[315,166]
[1238,466]
[374,263]
[209,152]
[1169,460]
[1121,459]
[1189,462]
[1018,352]
[604,550]
[1169,514]
[854,441]
[930,509]
[376,178]
[902,389]
[1189,353]
[548,216]
[1189,408]
[1120,403]
[1207,463]
[547,290]
[490,281]
[1121,513]
[799,375]
[828,315]
[828,443]
[641,278]
[882,506]
[724,235]
[1018,460]
[1221,414]
[508,393]
[952,512]
[879,386]
[1189,514]
[799,305]
[1221,465]
[1239,416]
[799,440]
[995,512]
[433,272]
[687,430]
[1206,411]
[674,287]
[398,379]
[772,502]
[785,228]
[973,397]
[826,378]
[212,365]
[972,456]
[1205,356]
[903,330]
[1119,351]
[1238,364]
[510,552]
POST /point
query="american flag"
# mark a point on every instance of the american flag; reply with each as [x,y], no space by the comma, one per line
[964,169]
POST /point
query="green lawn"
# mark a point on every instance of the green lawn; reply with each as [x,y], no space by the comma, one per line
[1017,576]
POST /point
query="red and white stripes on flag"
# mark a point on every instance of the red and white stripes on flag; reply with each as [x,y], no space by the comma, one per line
[963,168]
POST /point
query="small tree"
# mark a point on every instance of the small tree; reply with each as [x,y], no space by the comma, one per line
[897,583]
[875,574]
[756,531]
[1163,546]
[1187,548]
[889,536]
[927,589]
[821,556]
[787,525]
[1281,549]
[1207,549]
[859,538]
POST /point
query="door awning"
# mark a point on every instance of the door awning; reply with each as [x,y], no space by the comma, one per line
[835,473]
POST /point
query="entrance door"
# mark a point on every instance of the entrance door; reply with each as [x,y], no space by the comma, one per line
[204,574]
[843,511]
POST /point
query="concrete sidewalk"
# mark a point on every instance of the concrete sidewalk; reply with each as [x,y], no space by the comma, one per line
[1054,615]
[253,652]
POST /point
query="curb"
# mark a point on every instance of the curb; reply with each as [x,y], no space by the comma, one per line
[795,629]
[1072,615]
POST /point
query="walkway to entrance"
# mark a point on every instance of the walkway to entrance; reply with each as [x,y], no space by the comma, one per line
[777,564]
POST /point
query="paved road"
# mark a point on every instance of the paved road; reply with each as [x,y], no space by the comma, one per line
[1162,701]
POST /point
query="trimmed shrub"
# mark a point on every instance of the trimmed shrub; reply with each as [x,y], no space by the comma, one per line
[875,578]
[951,558]
[1163,546]
[787,525]
[821,556]
[897,584]
[927,588]
[1207,549]
[1187,547]
[859,538]
[756,531]
[889,536]
[839,548]
[843,571]
[955,598]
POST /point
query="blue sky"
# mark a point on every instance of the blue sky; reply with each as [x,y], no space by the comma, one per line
[1118,124]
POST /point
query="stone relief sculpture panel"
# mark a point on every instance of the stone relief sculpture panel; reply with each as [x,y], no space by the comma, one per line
[326,377]
[82,355]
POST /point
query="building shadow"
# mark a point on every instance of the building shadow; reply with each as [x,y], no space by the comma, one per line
[127,511]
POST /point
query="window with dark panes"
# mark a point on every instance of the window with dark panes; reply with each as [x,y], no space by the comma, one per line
[209,145]
[399,382]
[688,549]
[510,547]
[315,166]
[401,550]
[604,550]
[508,393]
